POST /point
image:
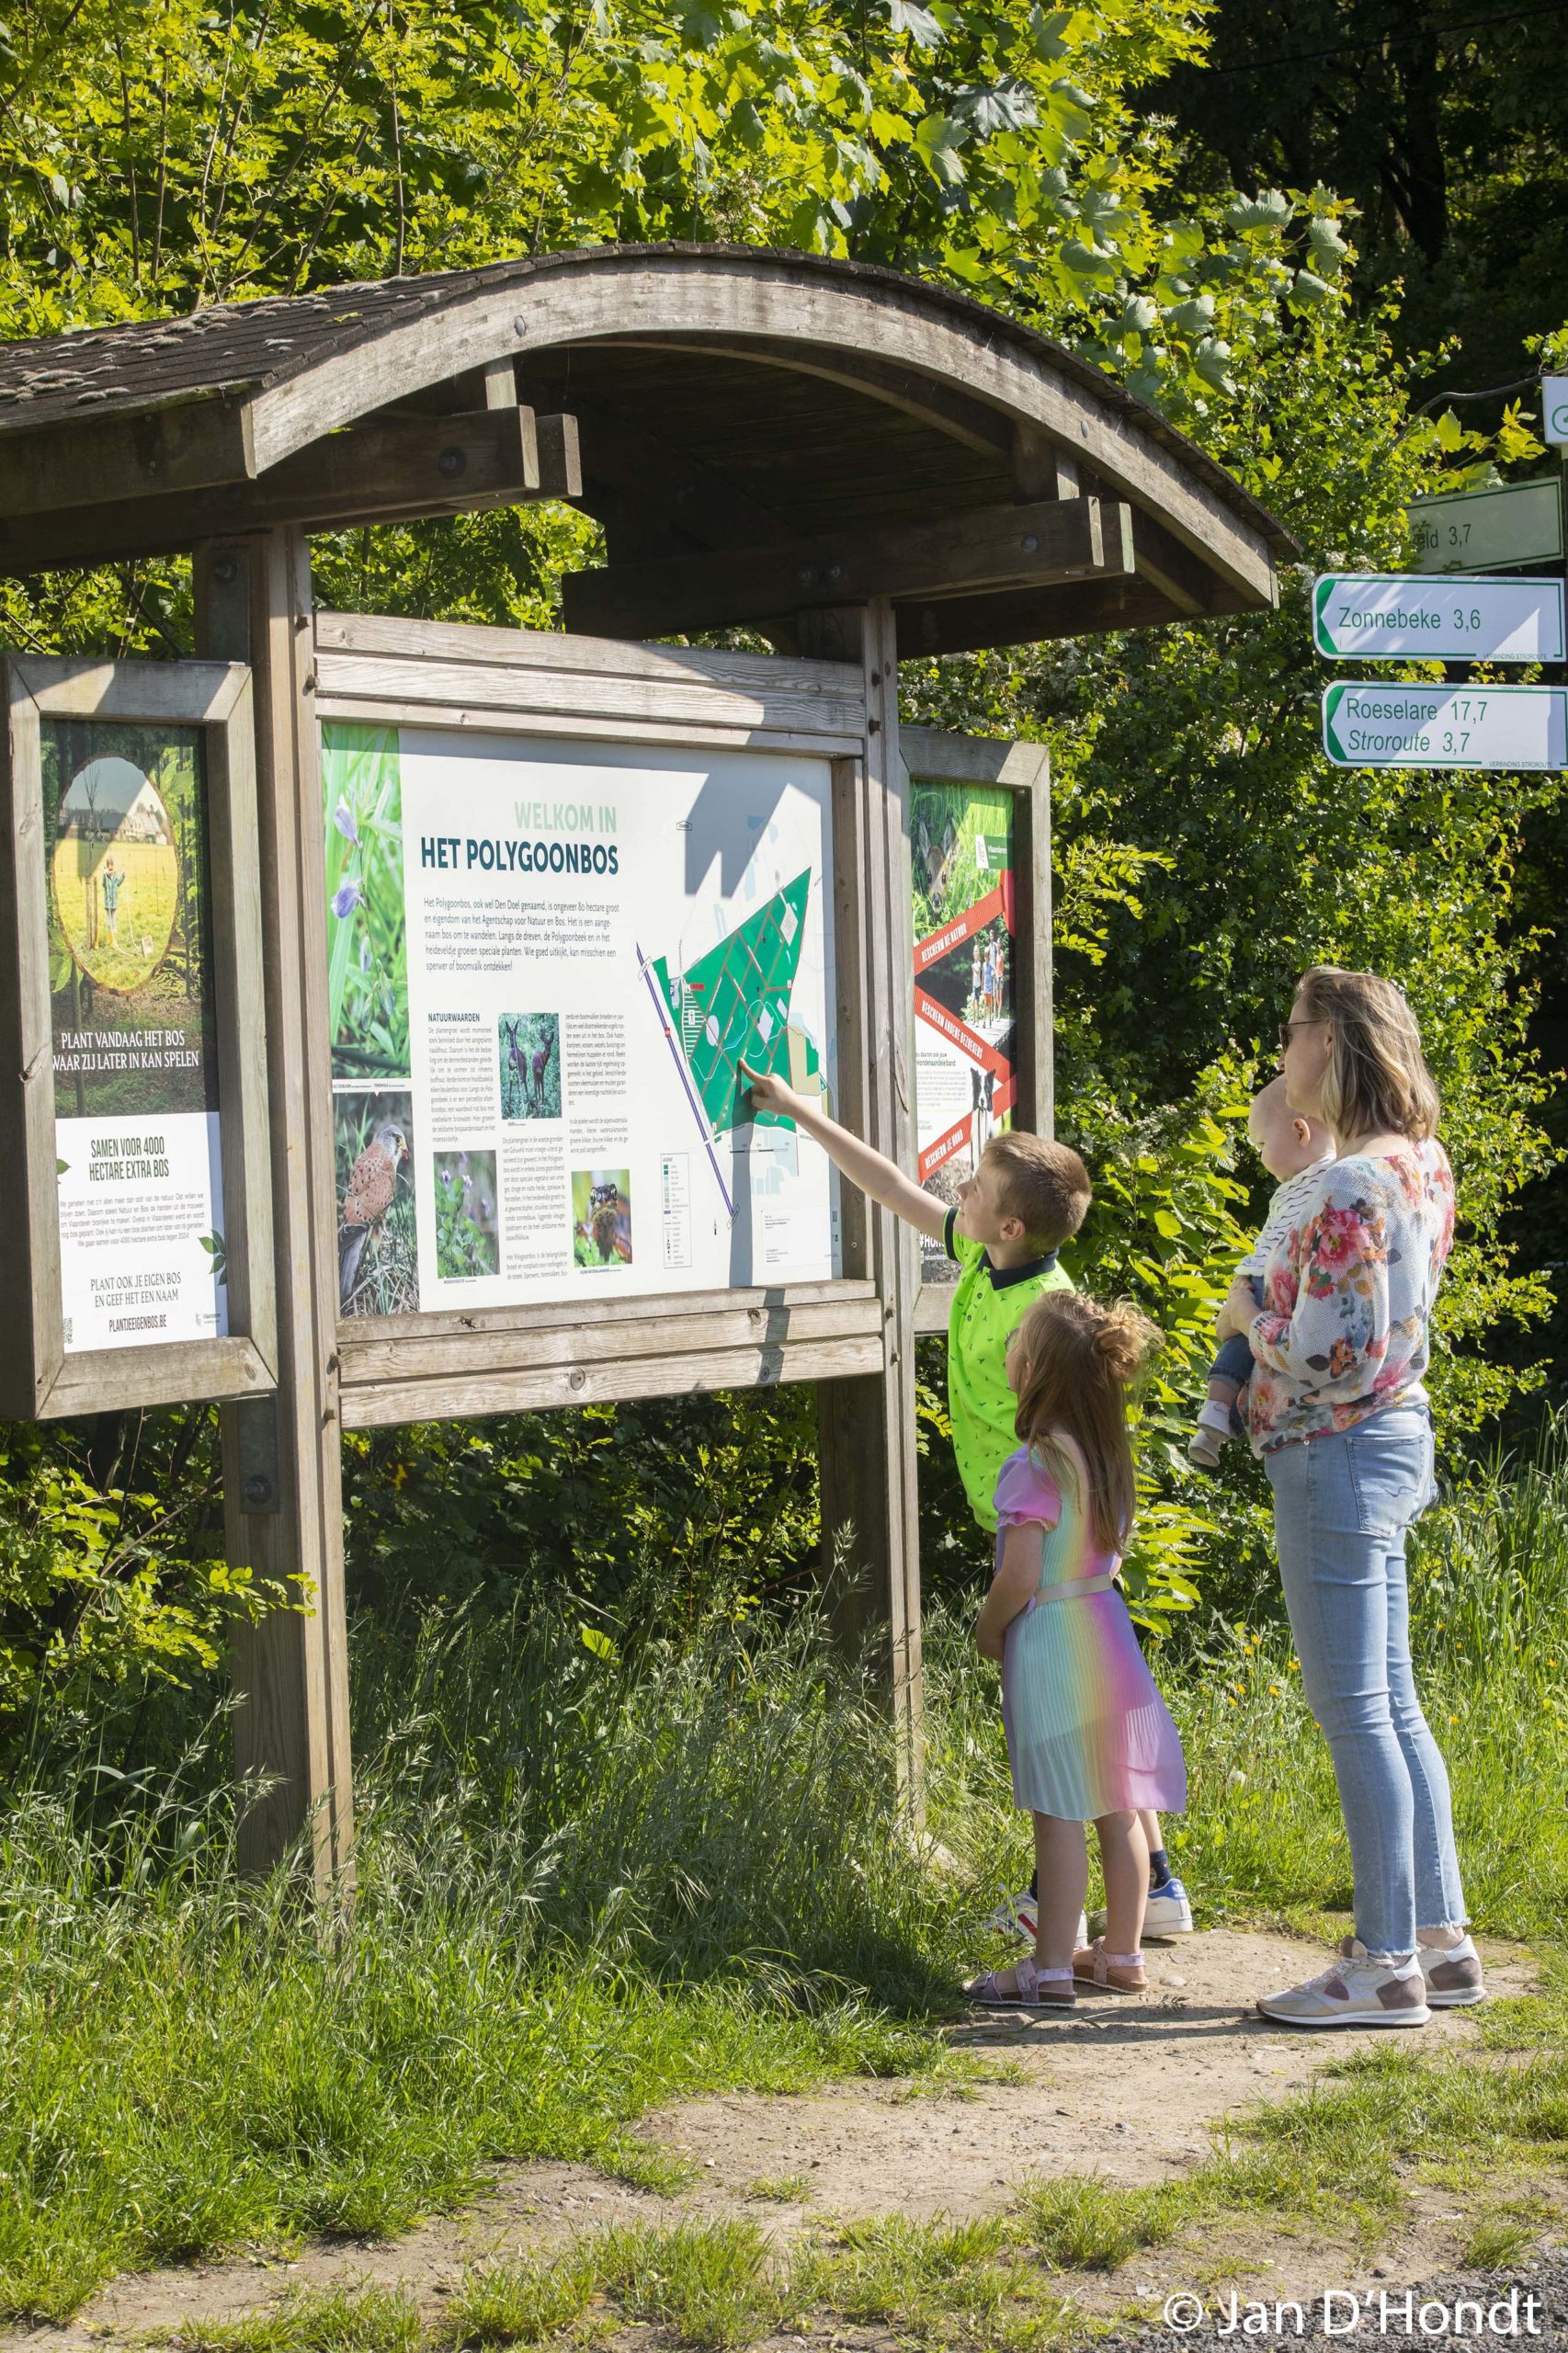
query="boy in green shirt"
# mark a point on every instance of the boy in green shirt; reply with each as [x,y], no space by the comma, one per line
[1027,1196]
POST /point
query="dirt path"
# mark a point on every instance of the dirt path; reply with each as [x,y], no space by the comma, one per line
[1134,2092]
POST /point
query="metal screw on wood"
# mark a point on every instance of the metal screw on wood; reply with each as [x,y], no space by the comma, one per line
[453,461]
[258,1492]
[225,570]
[1028,543]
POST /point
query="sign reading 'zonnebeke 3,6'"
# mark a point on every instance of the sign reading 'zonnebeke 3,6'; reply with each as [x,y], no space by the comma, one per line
[1392,617]
[1366,726]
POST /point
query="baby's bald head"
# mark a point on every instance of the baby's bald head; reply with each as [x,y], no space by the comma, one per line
[1284,1140]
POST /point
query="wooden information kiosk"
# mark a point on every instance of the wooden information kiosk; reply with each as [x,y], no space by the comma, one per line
[438,1115]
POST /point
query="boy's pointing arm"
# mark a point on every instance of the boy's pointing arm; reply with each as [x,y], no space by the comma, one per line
[885,1182]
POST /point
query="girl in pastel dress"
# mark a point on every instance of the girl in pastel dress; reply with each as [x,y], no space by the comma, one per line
[1089,1737]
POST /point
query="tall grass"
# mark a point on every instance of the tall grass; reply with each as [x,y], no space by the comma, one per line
[601,1866]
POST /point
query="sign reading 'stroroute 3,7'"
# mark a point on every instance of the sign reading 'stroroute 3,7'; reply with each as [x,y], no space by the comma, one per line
[1366,726]
[1391,617]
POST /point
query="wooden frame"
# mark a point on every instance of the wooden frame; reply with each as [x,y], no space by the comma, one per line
[454,1363]
[933,756]
[38,1379]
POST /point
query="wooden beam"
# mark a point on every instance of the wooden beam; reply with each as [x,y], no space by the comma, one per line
[383,473]
[187,446]
[1026,617]
[1166,565]
[560,458]
[866,1426]
[926,398]
[662,500]
[1064,539]
[290,1671]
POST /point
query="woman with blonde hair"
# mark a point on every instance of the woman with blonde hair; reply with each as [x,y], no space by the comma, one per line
[1338,1413]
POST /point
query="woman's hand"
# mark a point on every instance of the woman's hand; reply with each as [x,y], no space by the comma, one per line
[990,1642]
[1238,1311]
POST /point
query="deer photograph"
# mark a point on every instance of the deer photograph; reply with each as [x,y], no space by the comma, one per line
[529,1055]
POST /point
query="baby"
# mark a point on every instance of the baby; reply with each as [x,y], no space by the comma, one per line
[1292,1150]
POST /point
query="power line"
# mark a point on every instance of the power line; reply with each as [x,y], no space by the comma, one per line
[1391,40]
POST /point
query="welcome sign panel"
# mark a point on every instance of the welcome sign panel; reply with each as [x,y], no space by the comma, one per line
[546,961]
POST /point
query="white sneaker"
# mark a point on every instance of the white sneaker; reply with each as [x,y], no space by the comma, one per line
[1168,1912]
[1356,1991]
[1019,1917]
[1452,1976]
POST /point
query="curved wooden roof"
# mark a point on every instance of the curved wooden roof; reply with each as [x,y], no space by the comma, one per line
[758,431]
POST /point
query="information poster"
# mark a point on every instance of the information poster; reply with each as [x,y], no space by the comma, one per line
[965,1021]
[135,1064]
[546,961]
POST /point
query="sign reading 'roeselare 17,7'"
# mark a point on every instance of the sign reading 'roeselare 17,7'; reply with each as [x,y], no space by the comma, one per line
[1367,725]
[1389,617]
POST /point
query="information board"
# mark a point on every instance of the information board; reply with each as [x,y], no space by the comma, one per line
[139,1162]
[1366,726]
[546,960]
[1391,617]
[962,860]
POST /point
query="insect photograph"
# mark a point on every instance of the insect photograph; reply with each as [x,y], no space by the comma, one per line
[601,1218]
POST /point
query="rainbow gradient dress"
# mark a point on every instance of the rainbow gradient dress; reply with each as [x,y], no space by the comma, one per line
[1087,1733]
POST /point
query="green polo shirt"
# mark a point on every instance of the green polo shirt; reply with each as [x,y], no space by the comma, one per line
[989,1304]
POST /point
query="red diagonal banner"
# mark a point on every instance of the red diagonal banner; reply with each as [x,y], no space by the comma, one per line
[969,1041]
[953,934]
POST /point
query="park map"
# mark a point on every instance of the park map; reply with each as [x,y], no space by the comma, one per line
[733,1005]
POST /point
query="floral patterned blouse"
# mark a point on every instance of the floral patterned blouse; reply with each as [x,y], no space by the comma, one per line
[1347,1291]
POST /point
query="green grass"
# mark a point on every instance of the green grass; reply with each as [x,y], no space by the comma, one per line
[597,1878]
[342,2320]
[523,2301]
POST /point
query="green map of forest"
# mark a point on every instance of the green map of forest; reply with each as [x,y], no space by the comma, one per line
[733,1004]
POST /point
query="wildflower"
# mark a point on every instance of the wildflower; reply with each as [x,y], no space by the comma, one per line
[1276,1689]
[347,897]
[344,819]
[365,955]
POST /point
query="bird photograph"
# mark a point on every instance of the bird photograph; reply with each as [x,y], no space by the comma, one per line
[377,1252]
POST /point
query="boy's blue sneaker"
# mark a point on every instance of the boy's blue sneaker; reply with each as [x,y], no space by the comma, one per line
[1168,1913]
[1019,1916]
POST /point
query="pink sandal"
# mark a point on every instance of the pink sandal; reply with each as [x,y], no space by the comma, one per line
[1036,1989]
[1109,1973]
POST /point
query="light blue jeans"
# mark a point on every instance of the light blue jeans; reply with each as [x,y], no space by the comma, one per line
[1342,1503]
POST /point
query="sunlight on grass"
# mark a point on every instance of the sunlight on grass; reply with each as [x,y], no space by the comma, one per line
[522,2302]
[340,2320]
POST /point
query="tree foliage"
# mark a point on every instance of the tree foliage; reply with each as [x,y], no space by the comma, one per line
[165,154]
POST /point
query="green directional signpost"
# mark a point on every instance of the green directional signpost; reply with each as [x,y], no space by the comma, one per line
[1477,530]
[1368,725]
[1554,406]
[1391,617]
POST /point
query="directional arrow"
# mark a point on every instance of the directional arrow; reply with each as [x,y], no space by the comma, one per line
[1388,616]
[1366,726]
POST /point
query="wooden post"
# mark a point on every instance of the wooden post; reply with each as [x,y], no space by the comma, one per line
[282,1467]
[866,1425]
